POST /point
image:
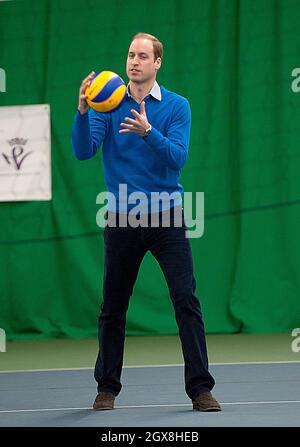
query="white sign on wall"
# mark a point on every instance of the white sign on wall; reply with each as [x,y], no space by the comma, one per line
[25,153]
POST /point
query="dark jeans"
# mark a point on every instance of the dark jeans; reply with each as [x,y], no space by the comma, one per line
[124,252]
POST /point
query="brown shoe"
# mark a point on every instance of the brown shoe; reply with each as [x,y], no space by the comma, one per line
[104,401]
[206,402]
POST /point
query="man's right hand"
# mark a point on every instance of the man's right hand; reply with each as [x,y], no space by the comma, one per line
[82,104]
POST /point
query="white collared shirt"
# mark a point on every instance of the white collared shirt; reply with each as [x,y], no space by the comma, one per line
[155,91]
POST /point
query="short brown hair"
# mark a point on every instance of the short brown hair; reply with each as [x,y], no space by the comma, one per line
[157,45]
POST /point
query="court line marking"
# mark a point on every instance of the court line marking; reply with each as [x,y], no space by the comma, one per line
[150,366]
[272,402]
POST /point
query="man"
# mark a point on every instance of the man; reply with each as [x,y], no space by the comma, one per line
[145,144]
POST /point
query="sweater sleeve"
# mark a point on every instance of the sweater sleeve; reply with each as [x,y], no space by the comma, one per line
[173,148]
[88,133]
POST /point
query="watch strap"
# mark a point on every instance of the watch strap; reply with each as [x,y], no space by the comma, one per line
[147,131]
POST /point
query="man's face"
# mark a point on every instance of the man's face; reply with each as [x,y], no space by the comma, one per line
[141,66]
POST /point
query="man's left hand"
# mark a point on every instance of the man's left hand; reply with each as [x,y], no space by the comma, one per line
[138,125]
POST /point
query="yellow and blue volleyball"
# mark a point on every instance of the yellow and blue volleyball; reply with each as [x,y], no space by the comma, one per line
[106,92]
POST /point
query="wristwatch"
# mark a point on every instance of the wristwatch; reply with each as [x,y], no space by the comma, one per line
[147,131]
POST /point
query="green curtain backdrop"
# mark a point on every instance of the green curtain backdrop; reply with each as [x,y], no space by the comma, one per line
[233,60]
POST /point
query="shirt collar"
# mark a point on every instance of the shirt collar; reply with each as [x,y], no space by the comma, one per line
[155,91]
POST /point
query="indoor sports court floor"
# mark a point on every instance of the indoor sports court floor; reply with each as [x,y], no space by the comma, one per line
[50,384]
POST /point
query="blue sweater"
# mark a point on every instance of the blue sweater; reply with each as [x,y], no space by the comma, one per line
[151,164]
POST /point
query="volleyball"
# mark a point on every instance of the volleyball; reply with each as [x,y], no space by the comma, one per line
[106,91]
